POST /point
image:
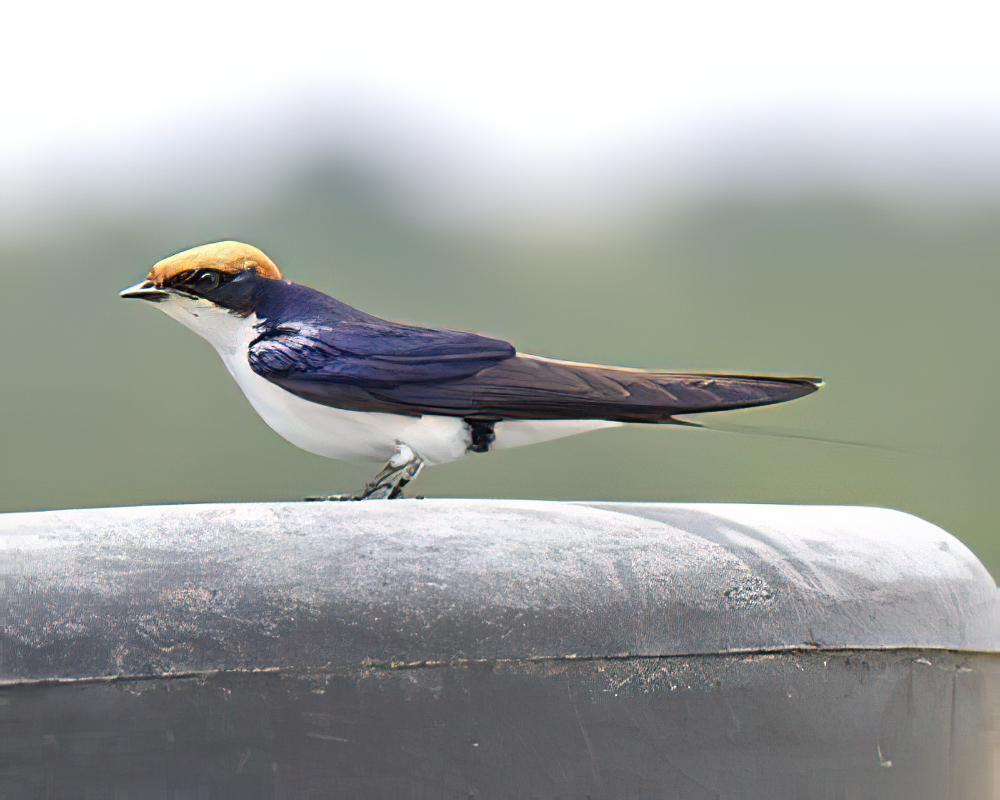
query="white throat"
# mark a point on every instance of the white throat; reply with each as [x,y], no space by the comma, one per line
[226,332]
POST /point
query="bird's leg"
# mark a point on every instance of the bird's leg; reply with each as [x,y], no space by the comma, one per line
[388,484]
[402,468]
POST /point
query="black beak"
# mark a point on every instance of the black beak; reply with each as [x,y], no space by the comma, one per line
[144,290]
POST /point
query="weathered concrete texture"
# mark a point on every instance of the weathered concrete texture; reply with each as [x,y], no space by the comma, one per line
[146,591]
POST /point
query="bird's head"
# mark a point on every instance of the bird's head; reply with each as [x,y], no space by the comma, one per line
[211,289]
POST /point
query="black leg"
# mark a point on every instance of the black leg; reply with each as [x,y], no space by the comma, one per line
[388,484]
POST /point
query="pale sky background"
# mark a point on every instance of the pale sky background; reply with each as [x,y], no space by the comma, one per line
[562,86]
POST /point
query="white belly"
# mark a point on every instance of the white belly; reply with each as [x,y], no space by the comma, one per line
[369,436]
[347,435]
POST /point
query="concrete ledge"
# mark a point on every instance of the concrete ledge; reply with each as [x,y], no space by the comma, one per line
[340,587]
[492,650]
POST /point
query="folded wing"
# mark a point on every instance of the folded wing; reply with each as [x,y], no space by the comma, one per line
[371,353]
[531,388]
[406,370]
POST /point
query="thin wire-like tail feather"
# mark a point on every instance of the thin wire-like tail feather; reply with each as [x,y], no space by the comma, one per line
[779,433]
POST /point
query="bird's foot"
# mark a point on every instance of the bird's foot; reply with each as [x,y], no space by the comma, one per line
[332,498]
[402,468]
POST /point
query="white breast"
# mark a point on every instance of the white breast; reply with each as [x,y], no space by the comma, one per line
[347,435]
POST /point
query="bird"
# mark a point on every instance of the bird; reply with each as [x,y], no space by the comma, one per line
[341,383]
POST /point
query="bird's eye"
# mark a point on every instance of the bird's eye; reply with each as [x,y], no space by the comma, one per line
[205,280]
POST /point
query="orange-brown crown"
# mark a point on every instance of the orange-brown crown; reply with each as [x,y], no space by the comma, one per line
[228,257]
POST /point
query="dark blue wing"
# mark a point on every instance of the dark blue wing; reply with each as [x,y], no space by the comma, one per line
[369,353]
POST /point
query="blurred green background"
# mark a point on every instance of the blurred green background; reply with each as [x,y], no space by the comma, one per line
[893,303]
[746,187]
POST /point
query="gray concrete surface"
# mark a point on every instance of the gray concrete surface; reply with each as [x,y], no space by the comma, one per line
[140,591]
[494,649]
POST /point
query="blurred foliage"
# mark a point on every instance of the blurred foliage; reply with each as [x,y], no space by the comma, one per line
[108,403]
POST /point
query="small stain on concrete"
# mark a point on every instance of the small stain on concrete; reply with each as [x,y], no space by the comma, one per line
[749,593]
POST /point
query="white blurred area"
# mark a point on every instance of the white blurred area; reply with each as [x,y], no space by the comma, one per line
[559,114]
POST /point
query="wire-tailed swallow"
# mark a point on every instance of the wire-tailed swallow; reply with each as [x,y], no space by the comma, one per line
[344,384]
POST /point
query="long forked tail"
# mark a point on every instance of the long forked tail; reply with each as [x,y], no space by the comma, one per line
[529,387]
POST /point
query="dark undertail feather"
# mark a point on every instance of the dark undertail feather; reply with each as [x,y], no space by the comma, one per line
[533,388]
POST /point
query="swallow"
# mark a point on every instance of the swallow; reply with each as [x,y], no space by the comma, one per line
[344,384]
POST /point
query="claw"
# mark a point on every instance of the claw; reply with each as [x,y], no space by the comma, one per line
[388,484]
